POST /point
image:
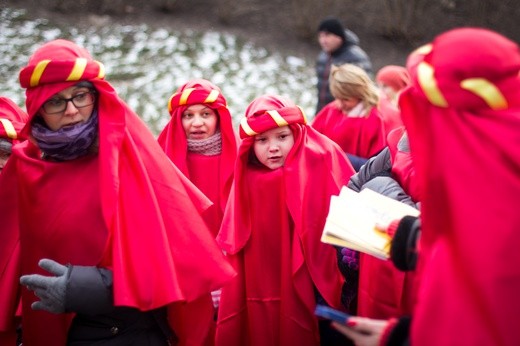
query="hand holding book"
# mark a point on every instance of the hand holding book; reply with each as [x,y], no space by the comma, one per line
[360,221]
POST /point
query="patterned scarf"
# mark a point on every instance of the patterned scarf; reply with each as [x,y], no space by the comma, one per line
[67,143]
[210,146]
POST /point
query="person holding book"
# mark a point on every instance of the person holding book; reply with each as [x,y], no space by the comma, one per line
[286,171]
[459,110]
[384,291]
[352,120]
[101,234]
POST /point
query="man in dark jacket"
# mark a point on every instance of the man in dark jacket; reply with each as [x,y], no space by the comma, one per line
[339,46]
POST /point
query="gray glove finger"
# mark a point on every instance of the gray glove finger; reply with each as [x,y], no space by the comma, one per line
[40,305]
[52,266]
[35,281]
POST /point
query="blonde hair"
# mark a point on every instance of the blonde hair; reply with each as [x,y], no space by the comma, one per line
[350,81]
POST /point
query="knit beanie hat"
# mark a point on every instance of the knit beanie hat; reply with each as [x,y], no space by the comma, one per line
[333,26]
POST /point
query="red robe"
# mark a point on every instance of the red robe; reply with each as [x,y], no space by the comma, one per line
[385,291]
[271,232]
[127,208]
[463,123]
[213,175]
[360,136]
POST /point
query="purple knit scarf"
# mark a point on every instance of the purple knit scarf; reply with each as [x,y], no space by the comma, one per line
[67,143]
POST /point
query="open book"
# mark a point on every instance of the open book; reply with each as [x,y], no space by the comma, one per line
[353,217]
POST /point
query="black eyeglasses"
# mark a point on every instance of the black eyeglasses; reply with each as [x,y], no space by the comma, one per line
[58,105]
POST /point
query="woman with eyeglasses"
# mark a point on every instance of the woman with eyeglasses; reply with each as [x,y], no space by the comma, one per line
[104,230]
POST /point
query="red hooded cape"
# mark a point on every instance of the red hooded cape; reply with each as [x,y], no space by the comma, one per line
[213,175]
[360,136]
[127,208]
[462,116]
[271,232]
[392,293]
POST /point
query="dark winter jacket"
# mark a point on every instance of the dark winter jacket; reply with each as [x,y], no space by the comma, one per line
[349,52]
[97,321]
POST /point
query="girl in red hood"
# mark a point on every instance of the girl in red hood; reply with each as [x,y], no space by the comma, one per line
[284,177]
[201,141]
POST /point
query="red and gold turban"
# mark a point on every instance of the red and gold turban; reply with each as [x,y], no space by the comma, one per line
[266,119]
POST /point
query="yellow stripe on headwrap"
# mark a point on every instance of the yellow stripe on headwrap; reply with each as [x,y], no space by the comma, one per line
[424,49]
[101,73]
[38,71]
[247,129]
[77,70]
[425,75]
[487,91]
[170,108]
[184,97]
[9,128]
[278,119]
[212,97]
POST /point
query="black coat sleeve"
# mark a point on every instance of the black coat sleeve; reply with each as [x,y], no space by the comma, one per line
[89,290]
[379,165]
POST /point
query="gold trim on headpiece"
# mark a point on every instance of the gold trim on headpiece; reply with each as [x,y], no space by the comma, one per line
[77,70]
[278,119]
[9,128]
[101,73]
[485,90]
[426,78]
[212,97]
[424,49]
[247,129]
[184,96]
[38,72]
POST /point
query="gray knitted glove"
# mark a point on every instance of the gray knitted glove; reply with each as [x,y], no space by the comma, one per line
[50,289]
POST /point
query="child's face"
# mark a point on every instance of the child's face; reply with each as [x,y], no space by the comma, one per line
[272,146]
[199,122]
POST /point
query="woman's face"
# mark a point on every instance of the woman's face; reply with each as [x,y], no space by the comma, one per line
[70,106]
[272,146]
[346,105]
[199,122]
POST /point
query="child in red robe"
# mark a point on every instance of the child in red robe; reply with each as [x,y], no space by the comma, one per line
[284,177]
[201,141]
